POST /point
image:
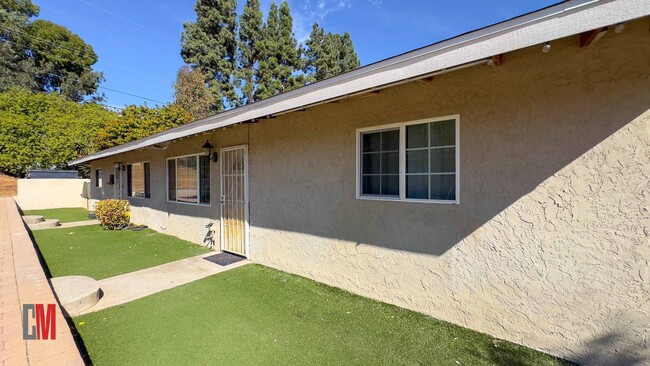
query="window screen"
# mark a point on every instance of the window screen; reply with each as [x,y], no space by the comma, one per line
[188,179]
[380,163]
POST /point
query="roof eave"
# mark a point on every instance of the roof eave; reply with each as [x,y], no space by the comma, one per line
[558,21]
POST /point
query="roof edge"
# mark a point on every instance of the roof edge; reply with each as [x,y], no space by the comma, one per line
[553,22]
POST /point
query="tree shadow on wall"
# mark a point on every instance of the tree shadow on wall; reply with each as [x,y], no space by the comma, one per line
[612,350]
[506,162]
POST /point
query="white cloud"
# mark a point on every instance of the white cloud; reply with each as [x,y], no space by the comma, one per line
[305,13]
[319,9]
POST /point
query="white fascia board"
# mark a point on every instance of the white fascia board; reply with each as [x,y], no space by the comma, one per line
[558,21]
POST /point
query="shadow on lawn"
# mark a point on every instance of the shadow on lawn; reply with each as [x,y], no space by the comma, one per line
[519,356]
[612,349]
[81,346]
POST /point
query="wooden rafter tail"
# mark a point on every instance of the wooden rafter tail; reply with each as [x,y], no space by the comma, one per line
[592,36]
[497,60]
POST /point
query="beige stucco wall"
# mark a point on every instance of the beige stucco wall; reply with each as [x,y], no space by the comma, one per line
[186,221]
[549,245]
[52,193]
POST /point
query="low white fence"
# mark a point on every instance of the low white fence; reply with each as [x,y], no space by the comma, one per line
[35,194]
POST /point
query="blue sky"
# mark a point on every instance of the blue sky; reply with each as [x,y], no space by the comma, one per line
[138,41]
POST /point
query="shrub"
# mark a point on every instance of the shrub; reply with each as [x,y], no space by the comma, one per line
[113,214]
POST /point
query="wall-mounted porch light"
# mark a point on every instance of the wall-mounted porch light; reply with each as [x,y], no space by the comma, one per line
[208,151]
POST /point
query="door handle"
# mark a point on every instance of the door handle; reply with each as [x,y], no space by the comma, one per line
[222,199]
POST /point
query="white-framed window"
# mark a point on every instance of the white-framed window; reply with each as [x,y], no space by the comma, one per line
[416,161]
[98,178]
[188,179]
[138,180]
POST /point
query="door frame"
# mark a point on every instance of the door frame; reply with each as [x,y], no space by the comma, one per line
[243,147]
[118,181]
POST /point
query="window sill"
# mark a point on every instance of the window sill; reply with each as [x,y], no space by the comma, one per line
[407,200]
[191,204]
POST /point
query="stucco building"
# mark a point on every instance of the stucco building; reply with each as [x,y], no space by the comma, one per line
[497,180]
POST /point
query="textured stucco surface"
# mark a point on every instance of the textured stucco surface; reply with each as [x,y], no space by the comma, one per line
[549,246]
[186,221]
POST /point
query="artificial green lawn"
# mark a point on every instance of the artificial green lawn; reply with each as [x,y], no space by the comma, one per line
[255,315]
[97,253]
[62,214]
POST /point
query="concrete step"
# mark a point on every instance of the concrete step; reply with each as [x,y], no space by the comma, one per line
[45,224]
[32,219]
[76,293]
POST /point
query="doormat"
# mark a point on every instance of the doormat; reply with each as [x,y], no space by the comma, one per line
[224,259]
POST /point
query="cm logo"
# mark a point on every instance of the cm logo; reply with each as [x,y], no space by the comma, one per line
[45,327]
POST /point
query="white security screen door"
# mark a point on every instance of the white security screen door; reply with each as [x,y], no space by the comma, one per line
[234,200]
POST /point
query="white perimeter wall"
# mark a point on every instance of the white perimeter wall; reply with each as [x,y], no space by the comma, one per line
[34,194]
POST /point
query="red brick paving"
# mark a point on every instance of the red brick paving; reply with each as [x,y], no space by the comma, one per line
[22,281]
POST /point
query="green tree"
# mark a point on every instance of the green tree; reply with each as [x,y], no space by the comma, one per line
[136,122]
[279,54]
[210,44]
[267,83]
[287,49]
[251,27]
[328,54]
[64,61]
[191,93]
[39,130]
[348,58]
[259,59]
[16,67]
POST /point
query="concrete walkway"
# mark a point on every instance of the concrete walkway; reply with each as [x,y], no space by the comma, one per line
[69,224]
[131,286]
[22,281]
[77,223]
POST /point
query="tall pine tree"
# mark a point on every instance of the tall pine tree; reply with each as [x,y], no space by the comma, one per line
[251,26]
[259,59]
[210,43]
[348,59]
[278,53]
[328,54]
[267,83]
[287,49]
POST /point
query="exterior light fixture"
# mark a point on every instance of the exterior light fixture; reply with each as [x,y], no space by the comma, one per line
[619,28]
[547,47]
[208,151]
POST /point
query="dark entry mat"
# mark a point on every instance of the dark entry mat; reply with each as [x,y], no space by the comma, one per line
[224,259]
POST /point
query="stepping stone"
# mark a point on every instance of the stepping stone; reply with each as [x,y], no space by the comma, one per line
[76,293]
[44,224]
[32,219]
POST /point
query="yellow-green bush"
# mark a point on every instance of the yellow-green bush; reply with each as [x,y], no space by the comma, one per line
[113,214]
